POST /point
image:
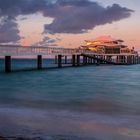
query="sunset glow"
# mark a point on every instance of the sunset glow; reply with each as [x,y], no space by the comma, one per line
[69,70]
[32,27]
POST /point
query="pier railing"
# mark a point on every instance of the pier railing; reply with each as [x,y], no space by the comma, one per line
[32,50]
[17,50]
[76,55]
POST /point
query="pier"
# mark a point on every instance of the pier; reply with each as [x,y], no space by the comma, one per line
[64,57]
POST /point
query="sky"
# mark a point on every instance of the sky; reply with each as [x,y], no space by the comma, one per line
[67,23]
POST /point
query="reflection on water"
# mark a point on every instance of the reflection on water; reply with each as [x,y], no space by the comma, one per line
[100,103]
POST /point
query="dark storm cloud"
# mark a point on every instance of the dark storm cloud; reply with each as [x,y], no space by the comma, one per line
[78,16]
[13,8]
[8,31]
[70,16]
[10,9]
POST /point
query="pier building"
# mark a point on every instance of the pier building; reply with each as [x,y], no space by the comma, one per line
[107,45]
[102,50]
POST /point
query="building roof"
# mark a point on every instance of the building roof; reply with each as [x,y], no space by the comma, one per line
[104,39]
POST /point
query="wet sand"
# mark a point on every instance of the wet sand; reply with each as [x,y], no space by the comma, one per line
[18,138]
[57,137]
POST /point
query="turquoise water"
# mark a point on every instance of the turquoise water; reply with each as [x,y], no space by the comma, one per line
[92,102]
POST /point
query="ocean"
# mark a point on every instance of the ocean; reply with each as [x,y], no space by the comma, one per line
[81,103]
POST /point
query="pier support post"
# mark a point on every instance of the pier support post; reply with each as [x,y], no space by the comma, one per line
[137,59]
[132,59]
[65,59]
[103,58]
[98,63]
[84,60]
[73,60]
[39,62]
[78,60]
[120,59]
[89,60]
[7,64]
[94,61]
[127,60]
[123,59]
[59,61]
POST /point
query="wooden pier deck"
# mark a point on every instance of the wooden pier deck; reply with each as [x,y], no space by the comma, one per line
[76,57]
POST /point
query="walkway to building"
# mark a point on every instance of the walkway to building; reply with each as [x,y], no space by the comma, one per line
[77,56]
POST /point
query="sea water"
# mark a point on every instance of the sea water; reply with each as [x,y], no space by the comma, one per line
[81,103]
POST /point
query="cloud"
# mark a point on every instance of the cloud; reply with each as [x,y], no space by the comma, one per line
[69,16]
[47,41]
[13,8]
[8,31]
[79,16]
[9,10]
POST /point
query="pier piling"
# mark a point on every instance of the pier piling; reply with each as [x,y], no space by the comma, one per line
[84,60]
[88,59]
[65,59]
[59,61]
[39,62]
[7,64]
[78,60]
[73,60]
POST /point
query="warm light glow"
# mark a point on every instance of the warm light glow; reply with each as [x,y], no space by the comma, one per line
[106,43]
[93,43]
[92,48]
